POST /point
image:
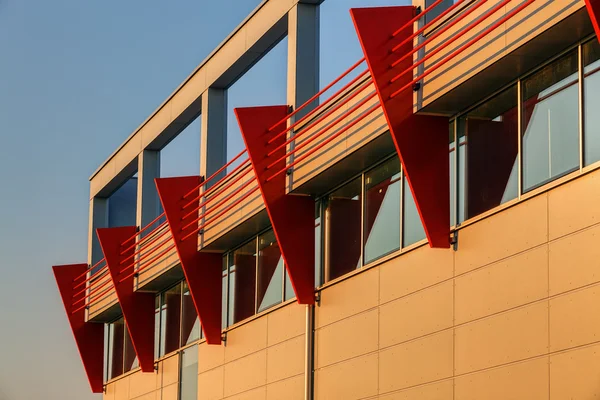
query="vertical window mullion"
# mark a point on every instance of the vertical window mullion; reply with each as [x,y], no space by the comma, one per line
[401,206]
[181,314]
[256,275]
[581,76]
[520,138]
[362,220]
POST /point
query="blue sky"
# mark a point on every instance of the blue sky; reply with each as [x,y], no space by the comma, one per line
[76,78]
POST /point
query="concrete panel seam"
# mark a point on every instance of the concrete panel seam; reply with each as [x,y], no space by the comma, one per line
[345,318]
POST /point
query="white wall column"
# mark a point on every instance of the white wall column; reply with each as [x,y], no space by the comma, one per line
[98,218]
[213,132]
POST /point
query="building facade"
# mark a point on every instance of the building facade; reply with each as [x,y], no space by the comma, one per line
[423,227]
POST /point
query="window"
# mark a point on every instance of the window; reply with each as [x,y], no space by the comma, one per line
[412,228]
[255,280]
[382,210]
[170,319]
[270,271]
[242,282]
[591,85]
[188,389]
[318,247]
[129,357]
[116,341]
[488,162]
[190,323]
[343,231]
[551,122]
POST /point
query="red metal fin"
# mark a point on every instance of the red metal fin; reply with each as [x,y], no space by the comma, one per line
[202,270]
[292,217]
[421,141]
[137,307]
[88,336]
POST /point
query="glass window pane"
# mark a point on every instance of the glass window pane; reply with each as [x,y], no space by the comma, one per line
[270,271]
[224,304]
[289,289]
[190,323]
[116,341]
[551,122]
[489,136]
[382,210]
[318,247]
[412,231]
[591,98]
[461,175]
[189,374]
[344,229]
[131,360]
[242,283]
[452,164]
[170,319]
[157,328]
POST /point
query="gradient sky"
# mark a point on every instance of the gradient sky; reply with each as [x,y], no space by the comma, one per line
[76,79]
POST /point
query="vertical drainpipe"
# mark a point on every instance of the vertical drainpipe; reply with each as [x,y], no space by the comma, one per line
[309,353]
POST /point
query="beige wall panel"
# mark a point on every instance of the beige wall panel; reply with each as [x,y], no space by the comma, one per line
[370,127]
[526,380]
[134,147]
[110,391]
[536,18]
[434,391]
[170,392]
[575,318]
[210,384]
[419,314]
[102,303]
[574,261]
[414,271]
[288,389]
[574,374]
[507,337]
[353,379]
[160,266]
[148,396]
[349,297]
[142,383]
[286,323]
[285,359]
[500,286]
[514,230]
[210,356]
[416,362]
[347,338]
[246,373]
[255,394]
[574,206]
[246,339]
[169,368]
[122,389]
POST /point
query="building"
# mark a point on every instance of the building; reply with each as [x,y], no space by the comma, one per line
[319,265]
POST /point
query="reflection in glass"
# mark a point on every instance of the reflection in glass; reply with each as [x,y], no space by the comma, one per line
[224,294]
[288,290]
[157,337]
[190,323]
[130,357]
[591,85]
[382,210]
[189,374]
[318,248]
[116,339]
[344,229]
[242,283]
[551,122]
[270,271]
[490,135]
[452,164]
[412,231]
[170,320]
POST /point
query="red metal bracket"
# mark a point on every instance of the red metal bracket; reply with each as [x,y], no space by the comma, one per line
[593,8]
[137,307]
[421,141]
[292,217]
[202,270]
[88,336]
